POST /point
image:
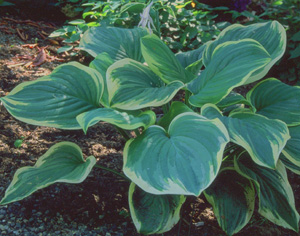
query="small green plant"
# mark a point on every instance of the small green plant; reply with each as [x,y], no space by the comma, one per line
[217,142]
[18,143]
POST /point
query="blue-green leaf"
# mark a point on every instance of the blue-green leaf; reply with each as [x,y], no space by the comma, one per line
[122,119]
[276,100]
[55,100]
[271,35]
[119,43]
[63,162]
[276,199]
[232,63]
[132,85]
[263,138]
[162,61]
[183,160]
[101,64]
[232,197]
[292,149]
[153,213]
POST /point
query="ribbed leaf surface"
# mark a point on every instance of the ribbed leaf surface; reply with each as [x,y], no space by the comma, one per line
[55,100]
[232,63]
[132,85]
[183,160]
[63,162]
[119,43]
[271,35]
[276,100]
[232,197]
[276,199]
[153,213]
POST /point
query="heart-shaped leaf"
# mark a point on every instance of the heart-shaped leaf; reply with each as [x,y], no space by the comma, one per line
[122,119]
[232,197]
[119,43]
[153,213]
[263,138]
[276,199]
[162,61]
[271,35]
[183,160]
[276,100]
[101,64]
[63,162]
[232,63]
[132,85]
[55,100]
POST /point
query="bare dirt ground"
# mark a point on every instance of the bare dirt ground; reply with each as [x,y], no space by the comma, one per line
[98,206]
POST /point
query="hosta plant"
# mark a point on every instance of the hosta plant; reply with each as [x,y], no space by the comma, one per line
[211,140]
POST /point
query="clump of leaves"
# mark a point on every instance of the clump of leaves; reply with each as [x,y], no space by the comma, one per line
[216,142]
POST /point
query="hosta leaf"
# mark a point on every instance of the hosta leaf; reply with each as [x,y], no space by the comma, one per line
[233,98]
[292,149]
[290,165]
[276,100]
[232,197]
[231,65]
[162,61]
[55,100]
[276,199]
[271,35]
[190,57]
[153,213]
[63,162]
[175,109]
[122,119]
[119,43]
[263,138]
[101,64]
[132,85]
[191,60]
[183,160]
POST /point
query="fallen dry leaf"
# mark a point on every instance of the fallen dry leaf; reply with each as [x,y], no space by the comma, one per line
[40,58]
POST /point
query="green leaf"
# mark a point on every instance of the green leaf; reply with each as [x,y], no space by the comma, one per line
[232,63]
[232,197]
[55,100]
[162,61]
[176,109]
[295,53]
[133,7]
[122,119]
[63,162]
[233,98]
[276,100]
[192,60]
[263,138]
[292,149]
[183,160]
[64,49]
[290,165]
[276,199]
[119,43]
[101,64]
[153,213]
[132,85]
[271,35]
[77,22]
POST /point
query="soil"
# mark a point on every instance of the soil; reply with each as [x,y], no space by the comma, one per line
[99,205]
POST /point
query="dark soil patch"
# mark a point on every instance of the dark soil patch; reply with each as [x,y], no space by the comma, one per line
[99,205]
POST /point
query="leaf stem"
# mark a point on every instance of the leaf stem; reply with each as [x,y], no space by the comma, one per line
[112,171]
[123,133]
[187,97]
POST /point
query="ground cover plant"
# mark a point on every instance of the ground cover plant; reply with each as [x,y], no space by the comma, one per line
[215,141]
